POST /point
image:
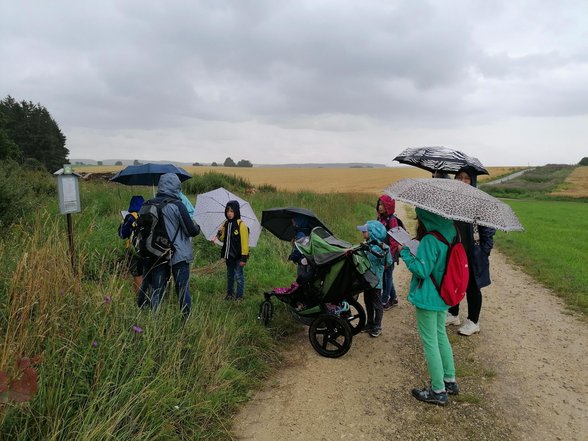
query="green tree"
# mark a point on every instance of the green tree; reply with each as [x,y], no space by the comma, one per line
[229,163]
[99,163]
[584,161]
[118,163]
[244,163]
[214,164]
[136,162]
[31,128]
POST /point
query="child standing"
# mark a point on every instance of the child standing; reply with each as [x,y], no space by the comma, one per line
[234,234]
[430,308]
[126,230]
[386,208]
[374,235]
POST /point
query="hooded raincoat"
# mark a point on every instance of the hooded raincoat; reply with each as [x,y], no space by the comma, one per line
[378,248]
[178,224]
[431,258]
[235,235]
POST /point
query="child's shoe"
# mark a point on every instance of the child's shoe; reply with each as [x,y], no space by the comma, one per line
[229,297]
[469,328]
[429,396]
[375,332]
[451,387]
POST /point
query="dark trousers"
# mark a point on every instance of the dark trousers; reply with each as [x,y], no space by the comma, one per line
[155,283]
[373,308]
[474,297]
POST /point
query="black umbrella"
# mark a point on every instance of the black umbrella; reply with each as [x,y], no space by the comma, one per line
[439,159]
[148,174]
[280,222]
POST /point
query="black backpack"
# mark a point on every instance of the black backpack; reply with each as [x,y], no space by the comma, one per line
[151,240]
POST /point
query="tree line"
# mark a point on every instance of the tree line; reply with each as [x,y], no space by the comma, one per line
[30,135]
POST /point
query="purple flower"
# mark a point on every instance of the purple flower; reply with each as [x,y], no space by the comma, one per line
[94,344]
[137,329]
[107,300]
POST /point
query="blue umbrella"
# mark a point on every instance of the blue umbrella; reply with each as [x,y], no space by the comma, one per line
[148,174]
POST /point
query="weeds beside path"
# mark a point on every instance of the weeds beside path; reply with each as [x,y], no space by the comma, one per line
[523,377]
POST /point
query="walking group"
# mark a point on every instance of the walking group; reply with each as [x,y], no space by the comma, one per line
[160,230]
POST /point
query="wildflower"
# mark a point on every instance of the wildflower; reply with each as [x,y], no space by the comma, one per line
[137,329]
[107,300]
[94,344]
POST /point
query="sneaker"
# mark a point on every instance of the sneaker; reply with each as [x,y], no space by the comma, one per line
[375,332]
[390,305]
[229,297]
[429,396]
[451,319]
[451,387]
[367,328]
[469,328]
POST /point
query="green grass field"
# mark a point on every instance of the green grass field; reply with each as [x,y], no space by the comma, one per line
[554,247]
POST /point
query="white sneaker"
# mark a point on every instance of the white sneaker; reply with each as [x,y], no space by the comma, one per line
[469,328]
[451,319]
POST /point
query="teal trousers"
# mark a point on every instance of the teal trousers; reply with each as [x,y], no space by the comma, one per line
[438,352]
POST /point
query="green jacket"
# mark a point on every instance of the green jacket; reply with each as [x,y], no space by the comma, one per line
[431,257]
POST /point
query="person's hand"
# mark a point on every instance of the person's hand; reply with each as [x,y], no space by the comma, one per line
[242,263]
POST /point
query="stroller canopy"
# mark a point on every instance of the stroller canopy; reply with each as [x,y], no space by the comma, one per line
[321,247]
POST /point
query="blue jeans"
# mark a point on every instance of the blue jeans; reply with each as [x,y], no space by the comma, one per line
[235,273]
[388,290]
[156,279]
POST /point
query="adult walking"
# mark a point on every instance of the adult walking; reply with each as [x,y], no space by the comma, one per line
[180,228]
[478,242]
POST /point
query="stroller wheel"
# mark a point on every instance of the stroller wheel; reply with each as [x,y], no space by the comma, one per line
[330,335]
[266,311]
[355,317]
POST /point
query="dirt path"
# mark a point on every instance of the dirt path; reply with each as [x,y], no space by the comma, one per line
[524,377]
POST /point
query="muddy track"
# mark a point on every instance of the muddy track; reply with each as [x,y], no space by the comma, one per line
[524,377]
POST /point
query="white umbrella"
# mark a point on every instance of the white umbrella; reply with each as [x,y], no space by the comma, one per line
[209,213]
[455,200]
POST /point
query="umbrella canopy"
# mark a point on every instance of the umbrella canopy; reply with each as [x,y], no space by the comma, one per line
[148,174]
[455,200]
[279,221]
[209,213]
[439,159]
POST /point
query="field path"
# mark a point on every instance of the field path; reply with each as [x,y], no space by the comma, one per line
[524,377]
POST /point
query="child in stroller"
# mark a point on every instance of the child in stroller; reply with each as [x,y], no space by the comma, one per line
[325,297]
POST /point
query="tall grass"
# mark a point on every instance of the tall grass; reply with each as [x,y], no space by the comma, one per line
[553,248]
[99,378]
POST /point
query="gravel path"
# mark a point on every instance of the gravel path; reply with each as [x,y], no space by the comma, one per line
[524,377]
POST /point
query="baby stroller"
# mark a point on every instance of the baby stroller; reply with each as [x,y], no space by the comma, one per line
[327,300]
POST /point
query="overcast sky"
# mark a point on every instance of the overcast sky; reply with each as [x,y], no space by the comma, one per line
[276,81]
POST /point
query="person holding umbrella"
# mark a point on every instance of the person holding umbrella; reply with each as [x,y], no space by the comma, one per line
[234,234]
[478,242]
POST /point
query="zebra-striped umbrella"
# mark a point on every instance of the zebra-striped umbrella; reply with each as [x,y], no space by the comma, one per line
[439,159]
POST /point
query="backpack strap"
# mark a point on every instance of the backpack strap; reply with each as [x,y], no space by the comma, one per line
[442,239]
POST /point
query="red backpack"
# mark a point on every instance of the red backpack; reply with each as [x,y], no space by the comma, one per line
[456,276]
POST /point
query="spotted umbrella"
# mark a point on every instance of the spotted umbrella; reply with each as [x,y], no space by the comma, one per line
[455,200]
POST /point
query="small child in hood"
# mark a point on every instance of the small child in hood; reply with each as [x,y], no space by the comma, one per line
[378,254]
[234,234]
[126,230]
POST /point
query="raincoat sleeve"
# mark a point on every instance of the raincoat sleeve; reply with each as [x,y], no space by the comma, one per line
[486,239]
[125,229]
[423,263]
[187,223]
[244,233]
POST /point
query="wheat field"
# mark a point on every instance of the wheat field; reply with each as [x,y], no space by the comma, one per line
[576,185]
[319,180]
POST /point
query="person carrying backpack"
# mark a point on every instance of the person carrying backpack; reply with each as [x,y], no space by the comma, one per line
[431,309]
[478,242]
[234,234]
[126,230]
[179,228]
[385,208]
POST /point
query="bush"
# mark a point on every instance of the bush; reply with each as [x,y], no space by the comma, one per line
[212,180]
[584,161]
